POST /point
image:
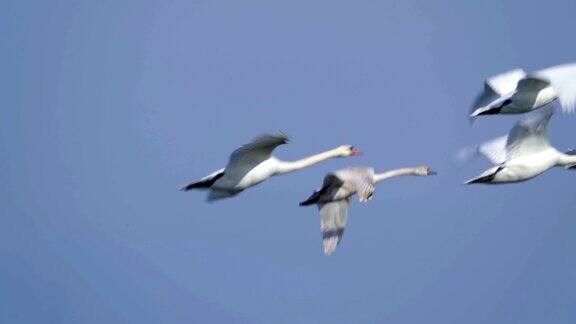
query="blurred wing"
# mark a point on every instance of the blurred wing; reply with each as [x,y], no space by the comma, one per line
[484,98]
[532,84]
[212,175]
[494,150]
[563,80]
[258,150]
[214,195]
[463,156]
[333,217]
[530,134]
[358,179]
[497,86]
[506,82]
[567,96]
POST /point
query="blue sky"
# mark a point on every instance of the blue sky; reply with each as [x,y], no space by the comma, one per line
[108,107]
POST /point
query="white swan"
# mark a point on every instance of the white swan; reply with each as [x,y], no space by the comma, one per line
[524,153]
[253,163]
[334,197]
[516,92]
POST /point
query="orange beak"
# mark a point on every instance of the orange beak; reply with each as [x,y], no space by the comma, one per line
[356,152]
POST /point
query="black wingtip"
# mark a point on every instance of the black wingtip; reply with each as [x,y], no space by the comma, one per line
[485,179]
[313,199]
[195,185]
[310,201]
[187,187]
[203,184]
[285,137]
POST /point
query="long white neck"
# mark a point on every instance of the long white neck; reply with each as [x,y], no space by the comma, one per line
[289,166]
[394,173]
[566,160]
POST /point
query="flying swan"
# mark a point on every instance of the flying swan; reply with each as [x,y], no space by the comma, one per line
[253,163]
[334,197]
[516,92]
[524,153]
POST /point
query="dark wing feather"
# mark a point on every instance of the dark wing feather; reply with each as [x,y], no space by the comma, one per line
[258,150]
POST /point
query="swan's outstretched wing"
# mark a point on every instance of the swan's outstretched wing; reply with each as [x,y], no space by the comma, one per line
[358,179]
[497,86]
[494,150]
[257,151]
[563,80]
[333,217]
[506,82]
[484,98]
[530,134]
[532,83]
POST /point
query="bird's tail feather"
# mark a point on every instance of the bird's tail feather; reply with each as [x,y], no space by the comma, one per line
[485,177]
[312,200]
[205,182]
[219,194]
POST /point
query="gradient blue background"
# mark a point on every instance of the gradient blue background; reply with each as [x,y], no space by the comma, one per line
[107,107]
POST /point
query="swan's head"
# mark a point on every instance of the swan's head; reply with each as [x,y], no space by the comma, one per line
[424,171]
[348,150]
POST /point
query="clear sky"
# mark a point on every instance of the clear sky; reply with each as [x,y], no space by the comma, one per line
[108,107]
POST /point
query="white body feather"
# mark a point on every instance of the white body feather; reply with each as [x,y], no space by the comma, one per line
[243,176]
[527,167]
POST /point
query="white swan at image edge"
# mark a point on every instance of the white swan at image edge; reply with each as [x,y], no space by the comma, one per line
[516,92]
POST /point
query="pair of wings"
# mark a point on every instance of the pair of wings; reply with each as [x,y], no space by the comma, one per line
[562,78]
[340,186]
[528,136]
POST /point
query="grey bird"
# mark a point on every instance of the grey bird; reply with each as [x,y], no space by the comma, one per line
[334,197]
